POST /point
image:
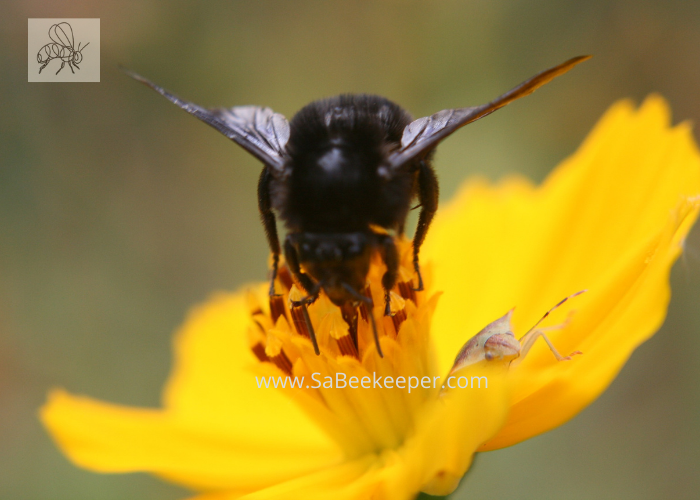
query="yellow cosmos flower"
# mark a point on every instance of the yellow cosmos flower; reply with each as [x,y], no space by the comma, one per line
[610,219]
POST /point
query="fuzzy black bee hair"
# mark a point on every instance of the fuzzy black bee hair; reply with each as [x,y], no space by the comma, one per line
[335,149]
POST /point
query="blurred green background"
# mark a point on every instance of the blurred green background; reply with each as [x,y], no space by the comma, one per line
[118,211]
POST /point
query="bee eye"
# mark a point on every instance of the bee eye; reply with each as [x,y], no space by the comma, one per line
[328,251]
[488,356]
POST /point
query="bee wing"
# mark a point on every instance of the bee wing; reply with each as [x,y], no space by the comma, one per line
[421,135]
[260,127]
[260,131]
[62,34]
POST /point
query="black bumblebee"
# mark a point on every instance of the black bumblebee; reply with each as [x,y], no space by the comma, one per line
[339,167]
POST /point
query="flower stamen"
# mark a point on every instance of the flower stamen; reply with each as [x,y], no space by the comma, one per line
[345,396]
[277,308]
[259,351]
[300,317]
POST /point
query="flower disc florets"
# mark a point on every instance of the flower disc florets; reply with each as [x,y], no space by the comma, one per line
[365,402]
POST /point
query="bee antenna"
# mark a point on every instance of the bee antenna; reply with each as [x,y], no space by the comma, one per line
[561,302]
[80,50]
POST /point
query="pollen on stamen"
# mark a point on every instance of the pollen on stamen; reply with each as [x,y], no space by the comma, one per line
[406,290]
[276,307]
[364,311]
[300,317]
[337,326]
[253,304]
[398,310]
[299,313]
[256,312]
[343,339]
[405,284]
[332,331]
[259,351]
[350,315]
[347,347]
[275,353]
[285,277]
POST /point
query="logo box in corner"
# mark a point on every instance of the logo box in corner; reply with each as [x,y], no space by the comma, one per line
[63,50]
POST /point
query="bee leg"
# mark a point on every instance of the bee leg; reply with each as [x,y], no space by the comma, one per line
[428,195]
[300,306]
[269,223]
[63,63]
[43,66]
[310,298]
[391,259]
[71,67]
[290,255]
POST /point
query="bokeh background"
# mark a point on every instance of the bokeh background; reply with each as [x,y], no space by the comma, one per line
[118,212]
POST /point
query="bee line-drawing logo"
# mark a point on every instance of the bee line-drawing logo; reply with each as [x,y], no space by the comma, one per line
[62,46]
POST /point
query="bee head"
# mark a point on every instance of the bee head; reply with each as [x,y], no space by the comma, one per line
[339,261]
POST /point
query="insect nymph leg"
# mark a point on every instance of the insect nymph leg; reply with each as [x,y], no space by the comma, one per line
[428,195]
[391,259]
[529,340]
[269,223]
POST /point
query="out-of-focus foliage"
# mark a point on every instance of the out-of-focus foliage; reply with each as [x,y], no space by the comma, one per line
[118,211]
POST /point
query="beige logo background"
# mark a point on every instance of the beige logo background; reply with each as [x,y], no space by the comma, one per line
[84,31]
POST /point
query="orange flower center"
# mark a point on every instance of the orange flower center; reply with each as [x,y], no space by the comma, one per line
[364,402]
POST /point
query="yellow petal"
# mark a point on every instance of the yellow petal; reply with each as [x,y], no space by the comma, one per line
[213,380]
[465,418]
[377,477]
[218,428]
[433,459]
[609,220]
[111,438]
[547,397]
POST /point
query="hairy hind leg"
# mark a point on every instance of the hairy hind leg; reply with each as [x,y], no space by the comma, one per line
[391,259]
[428,192]
[304,280]
[269,223]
